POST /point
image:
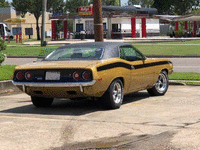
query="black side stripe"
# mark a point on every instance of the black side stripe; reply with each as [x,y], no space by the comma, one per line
[128,66]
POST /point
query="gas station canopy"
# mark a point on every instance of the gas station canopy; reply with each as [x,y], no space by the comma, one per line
[191,17]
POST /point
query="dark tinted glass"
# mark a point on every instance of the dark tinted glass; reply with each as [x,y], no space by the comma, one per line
[83,53]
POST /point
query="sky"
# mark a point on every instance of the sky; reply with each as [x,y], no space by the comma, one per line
[122,1]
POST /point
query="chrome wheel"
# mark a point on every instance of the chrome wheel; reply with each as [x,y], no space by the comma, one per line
[162,83]
[114,95]
[117,93]
[161,86]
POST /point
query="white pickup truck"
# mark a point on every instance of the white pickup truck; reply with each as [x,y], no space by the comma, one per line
[5,32]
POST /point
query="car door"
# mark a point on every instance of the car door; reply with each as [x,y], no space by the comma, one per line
[140,74]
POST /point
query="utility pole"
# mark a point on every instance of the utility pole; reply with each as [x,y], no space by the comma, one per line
[98,23]
[44,4]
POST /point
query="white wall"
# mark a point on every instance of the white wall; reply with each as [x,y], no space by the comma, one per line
[82,20]
[152,25]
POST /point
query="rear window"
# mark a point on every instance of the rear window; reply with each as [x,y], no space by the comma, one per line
[84,53]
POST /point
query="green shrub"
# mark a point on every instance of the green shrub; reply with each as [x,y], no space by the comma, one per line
[2,45]
[2,58]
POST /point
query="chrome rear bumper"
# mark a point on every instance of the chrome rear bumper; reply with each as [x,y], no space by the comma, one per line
[54,84]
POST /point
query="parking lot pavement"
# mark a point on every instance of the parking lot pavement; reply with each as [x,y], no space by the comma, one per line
[168,122]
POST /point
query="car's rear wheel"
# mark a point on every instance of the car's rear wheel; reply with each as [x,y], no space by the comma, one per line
[113,97]
[161,86]
[41,101]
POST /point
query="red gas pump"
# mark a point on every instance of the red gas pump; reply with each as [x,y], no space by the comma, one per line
[16,38]
[20,38]
[8,38]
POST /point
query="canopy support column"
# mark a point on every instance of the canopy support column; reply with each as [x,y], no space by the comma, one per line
[144,27]
[195,28]
[65,23]
[176,28]
[133,27]
[53,29]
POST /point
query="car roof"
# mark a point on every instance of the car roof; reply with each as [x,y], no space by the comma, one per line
[111,49]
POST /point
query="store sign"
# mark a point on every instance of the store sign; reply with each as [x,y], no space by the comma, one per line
[85,11]
[17,30]
[28,31]
[56,14]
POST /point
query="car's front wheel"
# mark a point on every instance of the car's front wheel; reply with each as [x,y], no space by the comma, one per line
[41,101]
[161,86]
[113,97]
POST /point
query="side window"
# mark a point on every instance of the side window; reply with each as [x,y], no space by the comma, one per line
[128,53]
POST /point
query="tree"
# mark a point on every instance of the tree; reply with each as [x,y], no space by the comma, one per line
[109,2]
[183,7]
[143,3]
[4,3]
[35,7]
[72,5]
[175,7]
[162,6]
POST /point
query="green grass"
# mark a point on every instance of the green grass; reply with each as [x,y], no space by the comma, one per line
[6,72]
[184,76]
[192,83]
[29,50]
[13,42]
[169,48]
[160,48]
[166,43]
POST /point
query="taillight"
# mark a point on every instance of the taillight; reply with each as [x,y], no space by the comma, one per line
[28,75]
[76,75]
[20,76]
[86,75]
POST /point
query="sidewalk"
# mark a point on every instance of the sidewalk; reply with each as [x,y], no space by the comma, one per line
[147,39]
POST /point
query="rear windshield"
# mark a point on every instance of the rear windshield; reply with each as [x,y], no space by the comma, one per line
[83,53]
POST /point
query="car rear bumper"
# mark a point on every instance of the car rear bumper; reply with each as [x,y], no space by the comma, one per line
[54,84]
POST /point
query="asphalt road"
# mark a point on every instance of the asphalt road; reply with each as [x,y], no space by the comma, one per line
[168,122]
[180,64]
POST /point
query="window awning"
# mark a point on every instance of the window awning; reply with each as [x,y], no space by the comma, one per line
[15,20]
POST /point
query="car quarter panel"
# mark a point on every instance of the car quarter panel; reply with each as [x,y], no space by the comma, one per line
[157,65]
[109,70]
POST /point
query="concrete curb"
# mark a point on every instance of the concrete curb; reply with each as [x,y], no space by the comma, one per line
[6,84]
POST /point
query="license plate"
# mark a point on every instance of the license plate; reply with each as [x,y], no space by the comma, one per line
[52,76]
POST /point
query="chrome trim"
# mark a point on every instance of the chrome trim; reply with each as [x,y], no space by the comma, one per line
[81,88]
[23,88]
[55,84]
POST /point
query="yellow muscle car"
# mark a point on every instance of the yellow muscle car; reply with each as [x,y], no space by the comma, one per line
[100,70]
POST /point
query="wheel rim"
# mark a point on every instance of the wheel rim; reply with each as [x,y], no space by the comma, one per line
[117,93]
[161,84]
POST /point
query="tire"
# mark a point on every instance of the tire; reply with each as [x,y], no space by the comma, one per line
[41,102]
[161,86]
[113,97]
